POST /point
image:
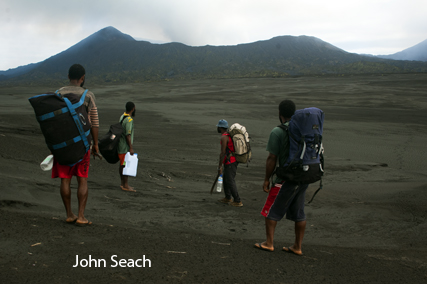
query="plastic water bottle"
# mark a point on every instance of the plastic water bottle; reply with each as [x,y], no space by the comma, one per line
[47,163]
[219,184]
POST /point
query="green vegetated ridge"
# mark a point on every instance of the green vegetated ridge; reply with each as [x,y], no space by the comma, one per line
[110,56]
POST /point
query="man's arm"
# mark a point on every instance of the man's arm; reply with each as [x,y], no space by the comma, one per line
[95,149]
[128,140]
[224,141]
[94,121]
[270,165]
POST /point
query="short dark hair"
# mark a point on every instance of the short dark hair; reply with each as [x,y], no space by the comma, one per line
[76,72]
[129,106]
[287,108]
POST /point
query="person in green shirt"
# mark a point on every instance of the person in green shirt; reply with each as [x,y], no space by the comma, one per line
[126,143]
[284,197]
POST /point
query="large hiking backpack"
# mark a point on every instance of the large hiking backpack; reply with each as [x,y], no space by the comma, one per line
[305,162]
[242,148]
[65,125]
[110,142]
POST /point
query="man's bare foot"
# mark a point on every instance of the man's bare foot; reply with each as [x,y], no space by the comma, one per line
[292,250]
[264,246]
[71,219]
[128,188]
[83,222]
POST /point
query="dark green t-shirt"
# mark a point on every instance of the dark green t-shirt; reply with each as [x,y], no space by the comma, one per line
[127,125]
[278,145]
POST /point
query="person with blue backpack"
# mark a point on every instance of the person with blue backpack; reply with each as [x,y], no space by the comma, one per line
[298,167]
[76,75]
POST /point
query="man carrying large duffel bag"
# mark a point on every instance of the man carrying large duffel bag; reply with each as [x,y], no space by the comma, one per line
[69,119]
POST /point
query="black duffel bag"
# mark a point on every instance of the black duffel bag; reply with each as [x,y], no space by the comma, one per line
[65,125]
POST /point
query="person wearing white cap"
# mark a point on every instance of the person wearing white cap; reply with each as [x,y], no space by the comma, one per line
[230,166]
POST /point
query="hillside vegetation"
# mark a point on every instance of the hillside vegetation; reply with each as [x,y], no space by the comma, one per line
[110,56]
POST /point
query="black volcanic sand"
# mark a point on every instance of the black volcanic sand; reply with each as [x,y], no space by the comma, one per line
[368,224]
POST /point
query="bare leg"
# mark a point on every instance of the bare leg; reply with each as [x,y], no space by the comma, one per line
[82,194]
[66,198]
[121,175]
[299,235]
[124,180]
[270,227]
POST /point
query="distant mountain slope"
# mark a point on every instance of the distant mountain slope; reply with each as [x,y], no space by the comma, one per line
[18,70]
[417,52]
[111,56]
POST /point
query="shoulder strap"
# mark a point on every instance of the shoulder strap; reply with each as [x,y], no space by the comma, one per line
[78,123]
[228,152]
[83,95]
[124,117]
[82,99]
[320,187]
[284,127]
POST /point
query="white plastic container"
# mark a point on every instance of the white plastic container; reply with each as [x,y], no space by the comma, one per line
[47,163]
[219,184]
[131,164]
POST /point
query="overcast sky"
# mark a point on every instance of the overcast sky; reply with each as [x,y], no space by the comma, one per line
[33,30]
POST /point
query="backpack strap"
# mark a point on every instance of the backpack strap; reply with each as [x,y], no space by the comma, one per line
[77,121]
[304,145]
[228,152]
[62,110]
[284,128]
[71,108]
[52,114]
[321,150]
[69,142]
[121,122]
[320,187]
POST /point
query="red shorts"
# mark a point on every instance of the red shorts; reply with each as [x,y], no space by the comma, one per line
[122,159]
[81,169]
